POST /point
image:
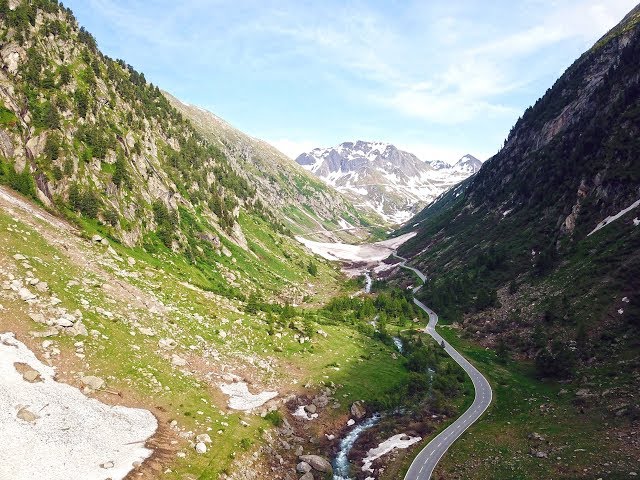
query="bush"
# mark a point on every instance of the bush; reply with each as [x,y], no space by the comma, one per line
[52,147]
[275,418]
[312,268]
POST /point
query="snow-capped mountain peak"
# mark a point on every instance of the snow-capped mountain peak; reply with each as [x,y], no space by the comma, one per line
[468,164]
[379,176]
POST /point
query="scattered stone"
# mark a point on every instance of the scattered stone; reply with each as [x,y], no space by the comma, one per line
[201,448]
[536,436]
[96,239]
[78,329]
[299,450]
[167,343]
[65,321]
[49,332]
[307,476]
[32,376]
[311,408]
[178,361]
[204,438]
[108,464]
[26,295]
[37,317]
[303,467]
[27,415]
[147,331]
[131,261]
[92,382]
[317,462]
[19,257]
[42,287]
[351,422]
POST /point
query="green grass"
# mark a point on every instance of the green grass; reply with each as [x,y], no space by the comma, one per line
[497,446]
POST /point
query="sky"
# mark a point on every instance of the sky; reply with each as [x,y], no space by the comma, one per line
[439,79]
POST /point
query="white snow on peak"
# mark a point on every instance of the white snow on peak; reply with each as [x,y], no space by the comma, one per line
[391,182]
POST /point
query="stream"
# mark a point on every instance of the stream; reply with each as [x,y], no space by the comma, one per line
[368,282]
[341,465]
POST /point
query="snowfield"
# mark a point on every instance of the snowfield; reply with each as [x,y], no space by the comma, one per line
[52,430]
[369,252]
[240,398]
[389,445]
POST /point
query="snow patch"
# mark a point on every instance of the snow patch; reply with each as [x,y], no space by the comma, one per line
[369,252]
[72,437]
[240,398]
[613,218]
[302,413]
[397,441]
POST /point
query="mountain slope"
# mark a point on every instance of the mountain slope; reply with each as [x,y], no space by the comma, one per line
[382,178]
[568,164]
[536,260]
[304,204]
[137,259]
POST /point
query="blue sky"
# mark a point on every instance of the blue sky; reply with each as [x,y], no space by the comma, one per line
[438,78]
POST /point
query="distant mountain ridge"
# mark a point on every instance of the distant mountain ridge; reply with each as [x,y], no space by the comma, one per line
[380,177]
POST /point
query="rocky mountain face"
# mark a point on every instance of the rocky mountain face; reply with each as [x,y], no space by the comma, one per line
[538,252]
[90,137]
[300,201]
[379,177]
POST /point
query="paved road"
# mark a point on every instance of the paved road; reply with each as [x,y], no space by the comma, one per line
[426,461]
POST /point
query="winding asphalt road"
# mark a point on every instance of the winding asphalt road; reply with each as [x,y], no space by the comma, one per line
[426,461]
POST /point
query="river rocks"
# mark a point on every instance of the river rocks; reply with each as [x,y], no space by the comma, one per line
[358,410]
[317,462]
[94,383]
[303,467]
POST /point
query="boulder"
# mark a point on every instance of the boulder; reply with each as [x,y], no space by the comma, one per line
[358,410]
[307,476]
[201,447]
[311,408]
[65,321]
[26,295]
[303,467]
[27,415]
[317,462]
[178,361]
[31,376]
[204,438]
[94,383]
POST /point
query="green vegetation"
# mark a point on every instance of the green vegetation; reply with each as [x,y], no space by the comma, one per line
[500,445]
